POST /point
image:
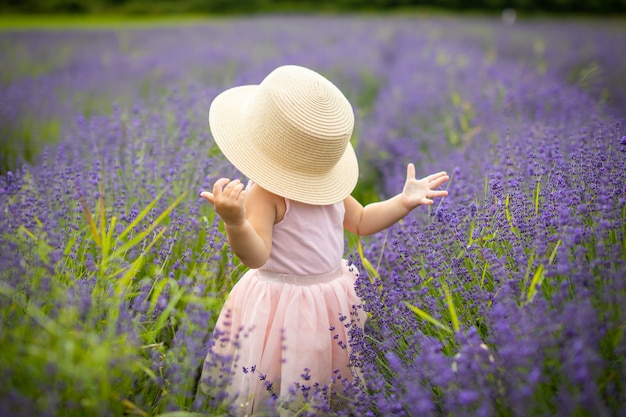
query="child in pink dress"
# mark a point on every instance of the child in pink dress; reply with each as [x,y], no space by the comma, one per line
[290,135]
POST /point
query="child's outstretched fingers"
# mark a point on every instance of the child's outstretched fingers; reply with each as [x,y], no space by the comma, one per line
[228,198]
[208,196]
[217,190]
[233,190]
[410,172]
[435,180]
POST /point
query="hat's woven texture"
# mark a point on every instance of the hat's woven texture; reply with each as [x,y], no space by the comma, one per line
[290,134]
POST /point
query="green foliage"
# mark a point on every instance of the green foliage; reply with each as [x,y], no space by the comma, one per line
[254,6]
[91,352]
[22,141]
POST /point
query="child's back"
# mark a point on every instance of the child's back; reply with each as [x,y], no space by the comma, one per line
[290,310]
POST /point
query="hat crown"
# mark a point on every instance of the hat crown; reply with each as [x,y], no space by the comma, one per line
[299,120]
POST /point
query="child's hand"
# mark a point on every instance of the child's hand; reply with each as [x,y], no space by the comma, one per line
[416,192]
[229,198]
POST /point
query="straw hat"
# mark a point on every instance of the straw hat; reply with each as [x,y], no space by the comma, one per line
[290,134]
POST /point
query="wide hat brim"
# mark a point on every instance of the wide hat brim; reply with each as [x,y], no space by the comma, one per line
[229,131]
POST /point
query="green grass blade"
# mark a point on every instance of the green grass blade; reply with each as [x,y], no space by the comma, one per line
[508,215]
[28,233]
[453,315]
[131,271]
[482,277]
[537,191]
[372,273]
[536,281]
[164,316]
[553,254]
[470,269]
[133,408]
[102,215]
[140,216]
[424,315]
[89,217]
[471,234]
[531,259]
[139,237]
[124,281]
[70,243]
[107,238]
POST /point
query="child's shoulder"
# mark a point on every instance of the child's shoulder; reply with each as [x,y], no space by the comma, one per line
[259,197]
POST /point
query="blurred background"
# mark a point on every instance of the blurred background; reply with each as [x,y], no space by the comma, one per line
[262,6]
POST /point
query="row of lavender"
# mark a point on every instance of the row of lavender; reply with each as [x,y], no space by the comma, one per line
[506,298]
[522,268]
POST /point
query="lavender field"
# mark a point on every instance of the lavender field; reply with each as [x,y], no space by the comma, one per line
[506,298]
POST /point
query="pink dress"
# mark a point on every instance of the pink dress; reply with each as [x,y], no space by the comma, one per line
[288,318]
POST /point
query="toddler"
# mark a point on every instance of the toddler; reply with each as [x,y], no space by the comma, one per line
[290,136]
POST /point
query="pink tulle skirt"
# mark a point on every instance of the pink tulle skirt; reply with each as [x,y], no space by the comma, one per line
[282,330]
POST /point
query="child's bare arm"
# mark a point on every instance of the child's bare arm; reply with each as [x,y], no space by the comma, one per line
[378,216]
[249,218]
